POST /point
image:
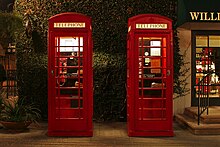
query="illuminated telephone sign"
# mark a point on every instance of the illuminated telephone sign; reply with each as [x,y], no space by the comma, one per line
[151,26]
[70,25]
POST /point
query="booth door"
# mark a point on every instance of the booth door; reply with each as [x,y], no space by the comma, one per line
[69,67]
[153,98]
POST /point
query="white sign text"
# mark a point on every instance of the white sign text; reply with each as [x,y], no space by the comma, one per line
[70,25]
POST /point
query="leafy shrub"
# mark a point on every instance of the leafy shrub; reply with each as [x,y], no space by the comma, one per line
[9,26]
[19,111]
[109,81]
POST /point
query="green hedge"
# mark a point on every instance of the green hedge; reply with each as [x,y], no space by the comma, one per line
[32,81]
[109,85]
[109,23]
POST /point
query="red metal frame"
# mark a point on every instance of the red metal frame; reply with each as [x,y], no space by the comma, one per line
[70,75]
[149,76]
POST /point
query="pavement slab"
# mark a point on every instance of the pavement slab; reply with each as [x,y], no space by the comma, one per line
[106,134]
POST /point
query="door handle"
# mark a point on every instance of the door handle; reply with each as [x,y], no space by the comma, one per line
[168,72]
[52,72]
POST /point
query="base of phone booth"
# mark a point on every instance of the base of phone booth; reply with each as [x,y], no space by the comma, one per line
[168,133]
[70,133]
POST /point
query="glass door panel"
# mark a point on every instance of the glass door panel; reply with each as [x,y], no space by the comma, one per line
[69,77]
[152,78]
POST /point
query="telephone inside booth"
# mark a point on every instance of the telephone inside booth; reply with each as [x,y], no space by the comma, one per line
[71,67]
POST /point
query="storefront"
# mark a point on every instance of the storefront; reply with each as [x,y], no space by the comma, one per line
[199,34]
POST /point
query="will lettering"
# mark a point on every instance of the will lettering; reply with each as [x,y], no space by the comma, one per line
[205,16]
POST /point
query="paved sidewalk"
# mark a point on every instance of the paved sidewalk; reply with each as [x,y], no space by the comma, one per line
[105,135]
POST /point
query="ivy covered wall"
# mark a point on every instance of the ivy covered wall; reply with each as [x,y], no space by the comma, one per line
[109,24]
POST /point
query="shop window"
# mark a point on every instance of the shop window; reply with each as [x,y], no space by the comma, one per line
[208,61]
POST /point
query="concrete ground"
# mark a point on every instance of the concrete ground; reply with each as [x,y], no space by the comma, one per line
[112,134]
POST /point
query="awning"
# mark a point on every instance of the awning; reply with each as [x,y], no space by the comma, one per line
[198,11]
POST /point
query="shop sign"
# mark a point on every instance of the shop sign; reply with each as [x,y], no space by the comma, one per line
[205,16]
[151,26]
[70,25]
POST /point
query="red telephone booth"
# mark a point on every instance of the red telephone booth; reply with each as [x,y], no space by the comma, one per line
[70,75]
[149,76]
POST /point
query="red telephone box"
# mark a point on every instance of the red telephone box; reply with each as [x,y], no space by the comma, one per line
[70,75]
[149,76]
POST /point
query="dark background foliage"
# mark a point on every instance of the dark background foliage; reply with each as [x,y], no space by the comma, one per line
[9,26]
[109,23]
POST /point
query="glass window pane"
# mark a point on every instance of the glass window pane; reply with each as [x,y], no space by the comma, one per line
[199,53]
[199,50]
[69,44]
[140,41]
[81,41]
[214,41]
[69,41]
[202,41]
[164,42]
[155,43]
[145,41]
[155,51]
